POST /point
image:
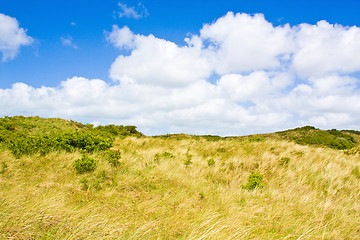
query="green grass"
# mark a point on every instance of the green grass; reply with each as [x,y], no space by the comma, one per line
[182,187]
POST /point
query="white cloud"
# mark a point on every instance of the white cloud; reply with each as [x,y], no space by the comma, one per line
[121,38]
[256,86]
[68,42]
[155,61]
[197,108]
[239,43]
[325,48]
[12,37]
[132,12]
[162,87]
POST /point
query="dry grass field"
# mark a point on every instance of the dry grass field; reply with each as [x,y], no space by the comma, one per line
[184,187]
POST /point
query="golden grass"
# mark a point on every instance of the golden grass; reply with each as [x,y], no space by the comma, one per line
[315,196]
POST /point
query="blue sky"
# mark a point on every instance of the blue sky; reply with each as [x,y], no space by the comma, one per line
[74,42]
[47,62]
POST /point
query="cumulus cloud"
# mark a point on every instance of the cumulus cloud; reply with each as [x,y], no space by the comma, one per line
[155,61]
[132,12]
[12,37]
[267,79]
[121,38]
[326,48]
[197,108]
[239,43]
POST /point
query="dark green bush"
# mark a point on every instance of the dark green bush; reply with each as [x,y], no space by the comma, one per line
[85,164]
[254,181]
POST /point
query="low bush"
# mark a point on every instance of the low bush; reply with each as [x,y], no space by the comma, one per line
[112,156]
[85,164]
[254,181]
[165,155]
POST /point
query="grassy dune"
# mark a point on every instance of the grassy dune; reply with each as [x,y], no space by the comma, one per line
[184,187]
[314,196]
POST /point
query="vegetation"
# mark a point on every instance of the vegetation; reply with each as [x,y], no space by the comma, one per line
[254,181]
[28,136]
[177,186]
[85,164]
[311,136]
[112,156]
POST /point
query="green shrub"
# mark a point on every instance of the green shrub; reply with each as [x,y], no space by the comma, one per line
[24,144]
[254,181]
[165,155]
[121,130]
[211,162]
[85,164]
[112,156]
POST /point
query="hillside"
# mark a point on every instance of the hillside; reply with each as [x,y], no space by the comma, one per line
[60,180]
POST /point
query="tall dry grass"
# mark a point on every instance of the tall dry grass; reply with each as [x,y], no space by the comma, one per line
[313,194]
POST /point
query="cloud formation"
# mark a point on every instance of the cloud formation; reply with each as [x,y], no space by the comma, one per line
[132,12]
[12,37]
[239,75]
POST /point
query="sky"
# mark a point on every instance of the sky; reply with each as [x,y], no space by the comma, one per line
[224,68]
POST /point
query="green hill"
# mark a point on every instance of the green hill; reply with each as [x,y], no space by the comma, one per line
[61,179]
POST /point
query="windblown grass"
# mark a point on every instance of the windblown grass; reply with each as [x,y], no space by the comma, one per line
[314,194]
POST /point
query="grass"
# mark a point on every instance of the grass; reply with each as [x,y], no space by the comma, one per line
[314,197]
[308,192]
